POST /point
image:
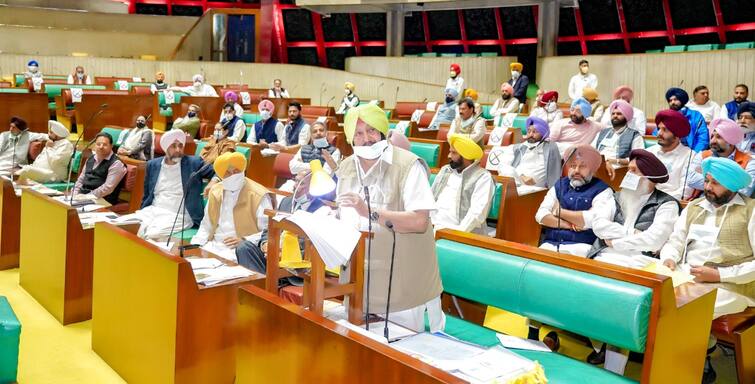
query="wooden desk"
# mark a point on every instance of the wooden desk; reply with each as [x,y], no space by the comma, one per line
[56,258]
[260,168]
[122,110]
[280,342]
[281,106]
[151,322]
[516,214]
[210,108]
[31,107]
[10,209]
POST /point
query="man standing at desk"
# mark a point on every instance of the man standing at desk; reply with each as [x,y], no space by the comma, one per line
[400,198]
[103,171]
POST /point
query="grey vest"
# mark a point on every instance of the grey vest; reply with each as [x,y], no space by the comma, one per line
[21,147]
[551,158]
[469,178]
[625,140]
[644,219]
[309,152]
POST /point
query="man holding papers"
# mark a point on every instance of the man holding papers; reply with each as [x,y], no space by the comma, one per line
[235,209]
[400,200]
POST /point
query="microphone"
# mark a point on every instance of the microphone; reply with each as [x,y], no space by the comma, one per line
[13,162]
[329,101]
[369,254]
[686,172]
[322,90]
[560,236]
[389,224]
[75,145]
[378,90]
[424,100]
[181,208]
[396,96]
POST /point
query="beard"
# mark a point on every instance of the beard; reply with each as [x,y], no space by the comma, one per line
[576,183]
[505,96]
[739,99]
[456,165]
[577,119]
[622,122]
[718,149]
[675,107]
[719,200]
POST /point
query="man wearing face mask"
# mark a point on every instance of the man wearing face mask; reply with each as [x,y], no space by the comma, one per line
[698,139]
[505,108]
[597,108]
[218,144]
[78,77]
[234,124]
[189,123]
[579,198]
[14,145]
[638,121]
[103,171]
[235,209]
[33,76]
[536,161]
[349,100]
[268,130]
[714,240]
[617,142]
[455,80]
[730,109]
[447,111]
[399,194]
[518,82]
[317,149]
[232,98]
[136,142]
[159,84]
[547,108]
[463,190]
[577,129]
[198,88]
[467,123]
[672,127]
[296,131]
[724,138]
[582,80]
[52,164]
[746,121]
[166,181]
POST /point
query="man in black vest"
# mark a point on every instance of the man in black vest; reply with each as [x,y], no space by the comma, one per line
[296,131]
[103,172]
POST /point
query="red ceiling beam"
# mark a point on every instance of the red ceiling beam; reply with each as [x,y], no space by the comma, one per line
[462,28]
[320,39]
[499,27]
[669,22]
[426,29]
[580,30]
[528,40]
[337,44]
[623,26]
[719,21]
[355,32]
[651,34]
[280,32]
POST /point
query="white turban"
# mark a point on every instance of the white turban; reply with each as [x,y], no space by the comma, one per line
[171,137]
[58,129]
[198,78]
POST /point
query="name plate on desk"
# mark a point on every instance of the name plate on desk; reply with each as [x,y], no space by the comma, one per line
[170,98]
[122,85]
[245,98]
[76,94]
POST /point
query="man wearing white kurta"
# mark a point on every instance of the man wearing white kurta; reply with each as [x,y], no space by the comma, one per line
[463,190]
[400,199]
[639,120]
[199,88]
[468,123]
[702,103]
[52,164]
[14,145]
[536,161]
[582,80]
[672,127]
[455,80]
[506,108]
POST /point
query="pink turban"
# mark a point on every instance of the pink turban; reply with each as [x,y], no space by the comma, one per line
[231,96]
[728,130]
[586,153]
[625,108]
[623,90]
[266,104]
[508,88]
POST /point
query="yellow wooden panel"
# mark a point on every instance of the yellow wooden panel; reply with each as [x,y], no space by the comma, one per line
[134,308]
[42,256]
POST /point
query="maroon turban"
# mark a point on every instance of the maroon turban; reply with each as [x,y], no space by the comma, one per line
[674,122]
[649,165]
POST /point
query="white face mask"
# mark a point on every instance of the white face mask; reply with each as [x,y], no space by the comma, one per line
[551,106]
[33,68]
[197,84]
[265,114]
[321,143]
[80,75]
[631,181]
[217,135]
[347,91]
[229,117]
[234,182]
[515,74]
[371,152]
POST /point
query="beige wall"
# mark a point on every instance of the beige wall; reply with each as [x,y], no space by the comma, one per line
[86,5]
[650,75]
[484,74]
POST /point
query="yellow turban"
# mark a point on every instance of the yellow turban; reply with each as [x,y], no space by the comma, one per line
[471,93]
[227,160]
[371,114]
[589,94]
[467,148]
[349,85]
[516,67]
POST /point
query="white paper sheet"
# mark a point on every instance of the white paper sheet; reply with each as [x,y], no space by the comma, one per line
[514,342]
[334,239]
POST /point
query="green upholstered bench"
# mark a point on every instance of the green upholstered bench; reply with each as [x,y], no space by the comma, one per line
[702,47]
[251,118]
[19,80]
[528,287]
[489,54]
[187,233]
[14,90]
[63,186]
[132,84]
[486,112]
[428,152]
[748,45]
[496,203]
[53,90]
[675,48]
[10,335]
[115,133]
[521,123]
[165,109]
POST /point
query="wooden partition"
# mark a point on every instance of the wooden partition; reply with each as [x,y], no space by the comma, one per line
[260,168]
[121,110]
[516,214]
[31,107]
[281,106]
[10,209]
[210,108]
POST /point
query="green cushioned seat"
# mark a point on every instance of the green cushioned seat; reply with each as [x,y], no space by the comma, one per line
[200,145]
[675,48]
[168,112]
[387,113]
[246,151]
[532,91]
[449,55]
[187,233]
[701,47]
[654,51]
[251,118]
[115,133]
[176,96]
[51,105]
[428,152]
[62,187]
[527,287]
[432,178]
[53,90]
[489,54]
[428,54]
[740,45]
[521,123]
[131,84]
[470,55]
[14,90]
[486,112]
[496,203]
[19,80]
[10,336]
[649,143]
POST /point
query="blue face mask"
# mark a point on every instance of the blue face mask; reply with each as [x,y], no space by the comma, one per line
[191,114]
[321,143]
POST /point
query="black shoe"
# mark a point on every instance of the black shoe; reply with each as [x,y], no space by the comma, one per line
[533,333]
[551,341]
[597,358]
[709,374]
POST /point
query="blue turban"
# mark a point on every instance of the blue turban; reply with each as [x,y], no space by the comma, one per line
[727,173]
[453,92]
[540,125]
[32,62]
[584,105]
[680,94]
[746,106]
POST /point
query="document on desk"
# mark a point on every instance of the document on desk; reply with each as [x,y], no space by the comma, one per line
[213,276]
[514,342]
[334,239]
[204,263]
[89,219]
[678,276]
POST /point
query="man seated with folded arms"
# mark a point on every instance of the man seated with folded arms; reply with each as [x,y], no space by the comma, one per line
[218,144]
[536,161]
[746,121]
[78,77]
[467,123]
[672,128]
[577,129]
[724,138]
[165,183]
[296,130]
[546,107]
[103,171]
[268,130]
[578,199]
[52,163]
[505,105]
[14,145]
[638,121]
[136,142]
[616,142]
[463,190]
[189,123]
[235,209]
[714,239]
[447,111]
[317,149]
[159,84]
[198,88]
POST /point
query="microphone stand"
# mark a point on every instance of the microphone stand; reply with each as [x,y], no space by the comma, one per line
[369,255]
[75,145]
[560,235]
[389,224]
[13,160]
[181,209]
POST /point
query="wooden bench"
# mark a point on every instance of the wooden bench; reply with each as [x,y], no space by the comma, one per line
[122,110]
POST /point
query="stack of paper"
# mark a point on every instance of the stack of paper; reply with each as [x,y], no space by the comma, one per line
[678,276]
[334,240]
[89,219]
[212,276]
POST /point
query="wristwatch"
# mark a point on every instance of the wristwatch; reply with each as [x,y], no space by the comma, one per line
[374,216]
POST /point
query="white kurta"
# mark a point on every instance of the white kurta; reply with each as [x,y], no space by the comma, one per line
[531,165]
[601,208]
[283,94]
[239,129]
[474,220]
[478,129]
[502,109]
[704,249]
[579,81]
[709,110]
[6,157]
[677,163]
[457,84]
[51,165]
[88,81]
[206,90]
[158,218]
[237,108]
[549,117]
